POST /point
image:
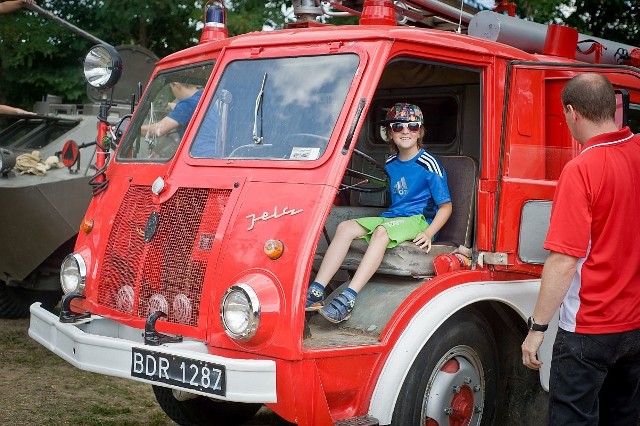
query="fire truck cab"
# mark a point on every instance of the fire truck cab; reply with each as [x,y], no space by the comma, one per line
[191,268]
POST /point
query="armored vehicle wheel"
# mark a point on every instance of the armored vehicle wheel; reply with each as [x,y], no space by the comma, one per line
[15,301]
[201,410]
[454,378]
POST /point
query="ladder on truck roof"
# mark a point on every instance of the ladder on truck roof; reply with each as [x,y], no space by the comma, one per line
[453,15]
[446,15]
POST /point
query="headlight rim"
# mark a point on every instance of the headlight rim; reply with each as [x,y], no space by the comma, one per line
[82,273]
[254,306]
[114,65]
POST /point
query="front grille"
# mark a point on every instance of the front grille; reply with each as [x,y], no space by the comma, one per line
[167,272]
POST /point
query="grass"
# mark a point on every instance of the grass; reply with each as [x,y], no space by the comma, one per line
[40,388]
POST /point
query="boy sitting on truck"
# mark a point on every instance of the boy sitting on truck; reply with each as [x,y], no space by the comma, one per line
[420,206]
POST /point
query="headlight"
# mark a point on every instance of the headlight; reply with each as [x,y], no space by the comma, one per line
[240,312]
[73,274]
[102,66]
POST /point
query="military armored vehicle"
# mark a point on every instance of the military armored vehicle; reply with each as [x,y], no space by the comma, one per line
[41,212]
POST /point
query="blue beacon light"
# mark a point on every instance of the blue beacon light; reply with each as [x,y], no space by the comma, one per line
[215,27]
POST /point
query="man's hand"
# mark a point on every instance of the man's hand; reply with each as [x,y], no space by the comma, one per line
[530,348]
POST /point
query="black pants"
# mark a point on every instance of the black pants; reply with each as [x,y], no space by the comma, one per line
[595,379]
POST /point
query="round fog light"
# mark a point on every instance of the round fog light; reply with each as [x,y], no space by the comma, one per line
[73,274]
[240,312]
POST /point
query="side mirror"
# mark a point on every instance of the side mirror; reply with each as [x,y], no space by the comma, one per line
[119,130]
[622,108]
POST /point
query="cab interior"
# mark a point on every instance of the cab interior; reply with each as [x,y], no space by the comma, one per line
[449,98]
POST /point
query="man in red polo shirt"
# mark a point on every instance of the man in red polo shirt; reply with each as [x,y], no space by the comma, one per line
[593,270]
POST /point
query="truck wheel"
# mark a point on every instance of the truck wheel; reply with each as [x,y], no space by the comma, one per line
[453,380]
[15,301]
[200,410]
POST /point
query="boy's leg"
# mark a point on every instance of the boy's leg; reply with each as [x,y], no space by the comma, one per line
[346,232]
[339,309]
[371,259]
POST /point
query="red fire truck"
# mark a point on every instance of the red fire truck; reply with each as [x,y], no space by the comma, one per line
[193,260]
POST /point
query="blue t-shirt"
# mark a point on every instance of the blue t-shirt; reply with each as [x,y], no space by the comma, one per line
[205,143]
[418,186]
[184,110]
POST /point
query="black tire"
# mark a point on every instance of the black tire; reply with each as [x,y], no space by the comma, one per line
[15,301]
[201,411]
[454,378]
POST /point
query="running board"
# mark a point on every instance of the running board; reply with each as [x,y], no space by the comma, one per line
[358,421]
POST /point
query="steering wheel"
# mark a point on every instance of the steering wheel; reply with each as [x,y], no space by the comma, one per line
[165,146]
[308,140]
[363,182]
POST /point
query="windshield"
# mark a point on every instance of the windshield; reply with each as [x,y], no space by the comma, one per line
[162,118]
[277,109]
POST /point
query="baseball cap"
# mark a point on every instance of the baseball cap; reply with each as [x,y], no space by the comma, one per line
[403,112]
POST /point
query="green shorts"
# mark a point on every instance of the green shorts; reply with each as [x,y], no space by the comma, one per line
[399,229]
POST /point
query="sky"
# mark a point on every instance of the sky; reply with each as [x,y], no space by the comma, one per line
[487,3]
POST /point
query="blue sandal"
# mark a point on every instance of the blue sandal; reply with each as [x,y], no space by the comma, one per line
[339,309]
[315,297]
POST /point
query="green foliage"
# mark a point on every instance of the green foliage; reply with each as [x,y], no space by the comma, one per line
[46,59]
[542,11]
[52,53]
[616,20]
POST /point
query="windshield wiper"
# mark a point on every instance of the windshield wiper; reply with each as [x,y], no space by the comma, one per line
[258,139]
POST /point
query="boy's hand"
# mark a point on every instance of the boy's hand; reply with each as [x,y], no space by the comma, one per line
[423,240]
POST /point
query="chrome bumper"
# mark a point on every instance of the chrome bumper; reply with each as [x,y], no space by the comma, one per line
[104,346]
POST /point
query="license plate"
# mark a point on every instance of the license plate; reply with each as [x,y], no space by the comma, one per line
[176,370]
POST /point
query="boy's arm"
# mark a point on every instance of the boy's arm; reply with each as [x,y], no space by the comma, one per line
[441,217]
[424,238]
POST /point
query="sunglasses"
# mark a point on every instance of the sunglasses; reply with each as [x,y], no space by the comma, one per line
[412,126]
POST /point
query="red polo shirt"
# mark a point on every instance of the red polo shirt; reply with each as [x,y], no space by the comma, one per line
[595,217]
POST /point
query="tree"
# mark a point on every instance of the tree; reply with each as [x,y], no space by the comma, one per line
[52,54]
[47,57]
[616,20]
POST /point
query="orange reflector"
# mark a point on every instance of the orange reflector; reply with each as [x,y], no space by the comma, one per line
[86,226]
[273,249]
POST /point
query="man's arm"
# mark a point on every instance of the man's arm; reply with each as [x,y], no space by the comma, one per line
[557,275]
[6,109]
[161,128]
[13,5]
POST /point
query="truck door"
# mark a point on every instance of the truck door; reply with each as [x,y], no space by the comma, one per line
[536,145]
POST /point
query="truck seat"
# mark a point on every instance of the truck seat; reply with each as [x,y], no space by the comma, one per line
[407,259]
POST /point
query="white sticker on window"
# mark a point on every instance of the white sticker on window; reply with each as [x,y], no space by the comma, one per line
[303,153]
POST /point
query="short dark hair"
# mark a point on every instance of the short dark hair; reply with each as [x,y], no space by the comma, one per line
[592,95]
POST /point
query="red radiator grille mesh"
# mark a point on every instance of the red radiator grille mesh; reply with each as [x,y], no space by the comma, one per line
[167,272]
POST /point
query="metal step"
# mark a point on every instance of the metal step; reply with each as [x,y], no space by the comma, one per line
[358,421]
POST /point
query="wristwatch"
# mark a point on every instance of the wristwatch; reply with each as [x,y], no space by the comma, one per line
[531,323]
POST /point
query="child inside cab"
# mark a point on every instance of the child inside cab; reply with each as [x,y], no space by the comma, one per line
[420,206]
